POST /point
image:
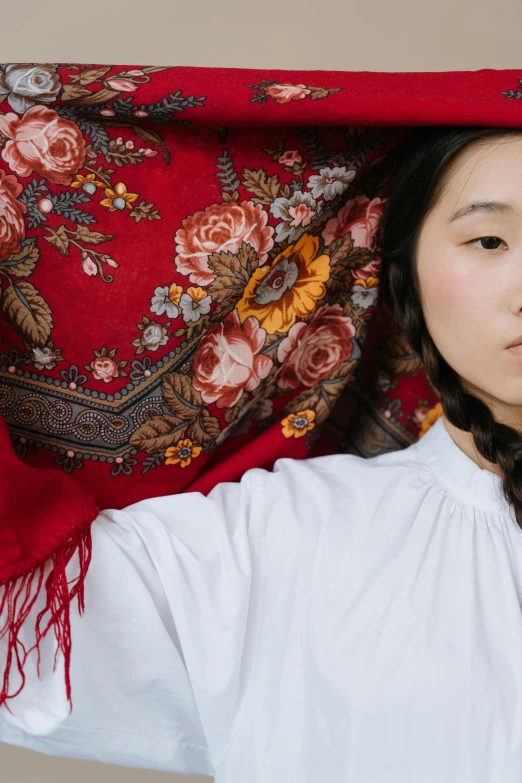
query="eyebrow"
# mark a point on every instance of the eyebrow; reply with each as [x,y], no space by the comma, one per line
[496,207]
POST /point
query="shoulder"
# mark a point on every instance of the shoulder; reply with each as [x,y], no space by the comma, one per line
[349,471]
[324,485]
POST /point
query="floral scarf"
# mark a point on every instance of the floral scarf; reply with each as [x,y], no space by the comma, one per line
[189,278]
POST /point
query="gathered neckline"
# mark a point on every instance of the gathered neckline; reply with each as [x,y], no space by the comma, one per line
[475,486]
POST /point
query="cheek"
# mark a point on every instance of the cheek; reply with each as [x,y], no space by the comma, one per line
[456,314]
[448,296]
[463,300]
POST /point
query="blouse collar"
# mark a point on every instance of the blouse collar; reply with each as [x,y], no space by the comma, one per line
[459,472]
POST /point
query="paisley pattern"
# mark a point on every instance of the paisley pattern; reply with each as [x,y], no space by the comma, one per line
[172,287]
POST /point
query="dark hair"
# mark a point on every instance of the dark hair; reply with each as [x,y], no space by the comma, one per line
[417,185]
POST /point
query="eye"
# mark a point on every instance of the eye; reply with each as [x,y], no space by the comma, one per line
[489,240]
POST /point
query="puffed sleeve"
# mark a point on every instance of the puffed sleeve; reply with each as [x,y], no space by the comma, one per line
[163,656]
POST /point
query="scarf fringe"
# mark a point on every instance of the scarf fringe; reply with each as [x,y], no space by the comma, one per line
[58,601]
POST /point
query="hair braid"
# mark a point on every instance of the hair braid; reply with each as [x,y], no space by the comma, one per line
[496,442]
[414,190]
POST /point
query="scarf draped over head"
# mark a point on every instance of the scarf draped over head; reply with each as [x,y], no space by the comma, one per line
[189,273]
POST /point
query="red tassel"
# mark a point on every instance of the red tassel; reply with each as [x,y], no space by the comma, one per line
[58,600]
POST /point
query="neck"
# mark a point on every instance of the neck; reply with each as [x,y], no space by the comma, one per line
[464,440]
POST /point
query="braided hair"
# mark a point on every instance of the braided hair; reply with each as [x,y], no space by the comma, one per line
[416,187]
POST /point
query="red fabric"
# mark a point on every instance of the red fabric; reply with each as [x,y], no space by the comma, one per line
[189,267]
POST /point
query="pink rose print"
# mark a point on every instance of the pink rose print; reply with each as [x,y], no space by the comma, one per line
[284,93]
[312,351]
[12,211]
[360,216]
[220,227]
[373,269]
[43,142]
[123,85]
[89,267]
[128,81]
[228,361]
[104,369]
[289,157]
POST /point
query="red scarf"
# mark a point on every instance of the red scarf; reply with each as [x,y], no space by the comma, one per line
[189,268]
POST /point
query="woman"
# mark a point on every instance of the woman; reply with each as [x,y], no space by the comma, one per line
[336,619]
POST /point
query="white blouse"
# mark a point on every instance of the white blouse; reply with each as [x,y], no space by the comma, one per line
[339,619]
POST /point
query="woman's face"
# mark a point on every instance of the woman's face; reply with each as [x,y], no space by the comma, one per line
[471,290]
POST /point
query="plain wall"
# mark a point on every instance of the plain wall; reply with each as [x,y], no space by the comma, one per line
[370,35]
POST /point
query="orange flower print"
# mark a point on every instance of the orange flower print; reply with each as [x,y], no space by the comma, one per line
[289,288]
[430,418]
[298,424]
[182,454]
[88,183]
[119,198]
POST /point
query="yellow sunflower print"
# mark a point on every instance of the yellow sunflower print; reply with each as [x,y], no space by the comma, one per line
[298,424]
[119,198]
[288,288]
[431,417]
[182,454]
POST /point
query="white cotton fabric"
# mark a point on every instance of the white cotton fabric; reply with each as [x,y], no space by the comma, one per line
[339,619]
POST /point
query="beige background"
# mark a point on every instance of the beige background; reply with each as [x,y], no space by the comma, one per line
[368,35]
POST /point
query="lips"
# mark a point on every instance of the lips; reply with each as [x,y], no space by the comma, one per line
[515,350]
[518,341]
